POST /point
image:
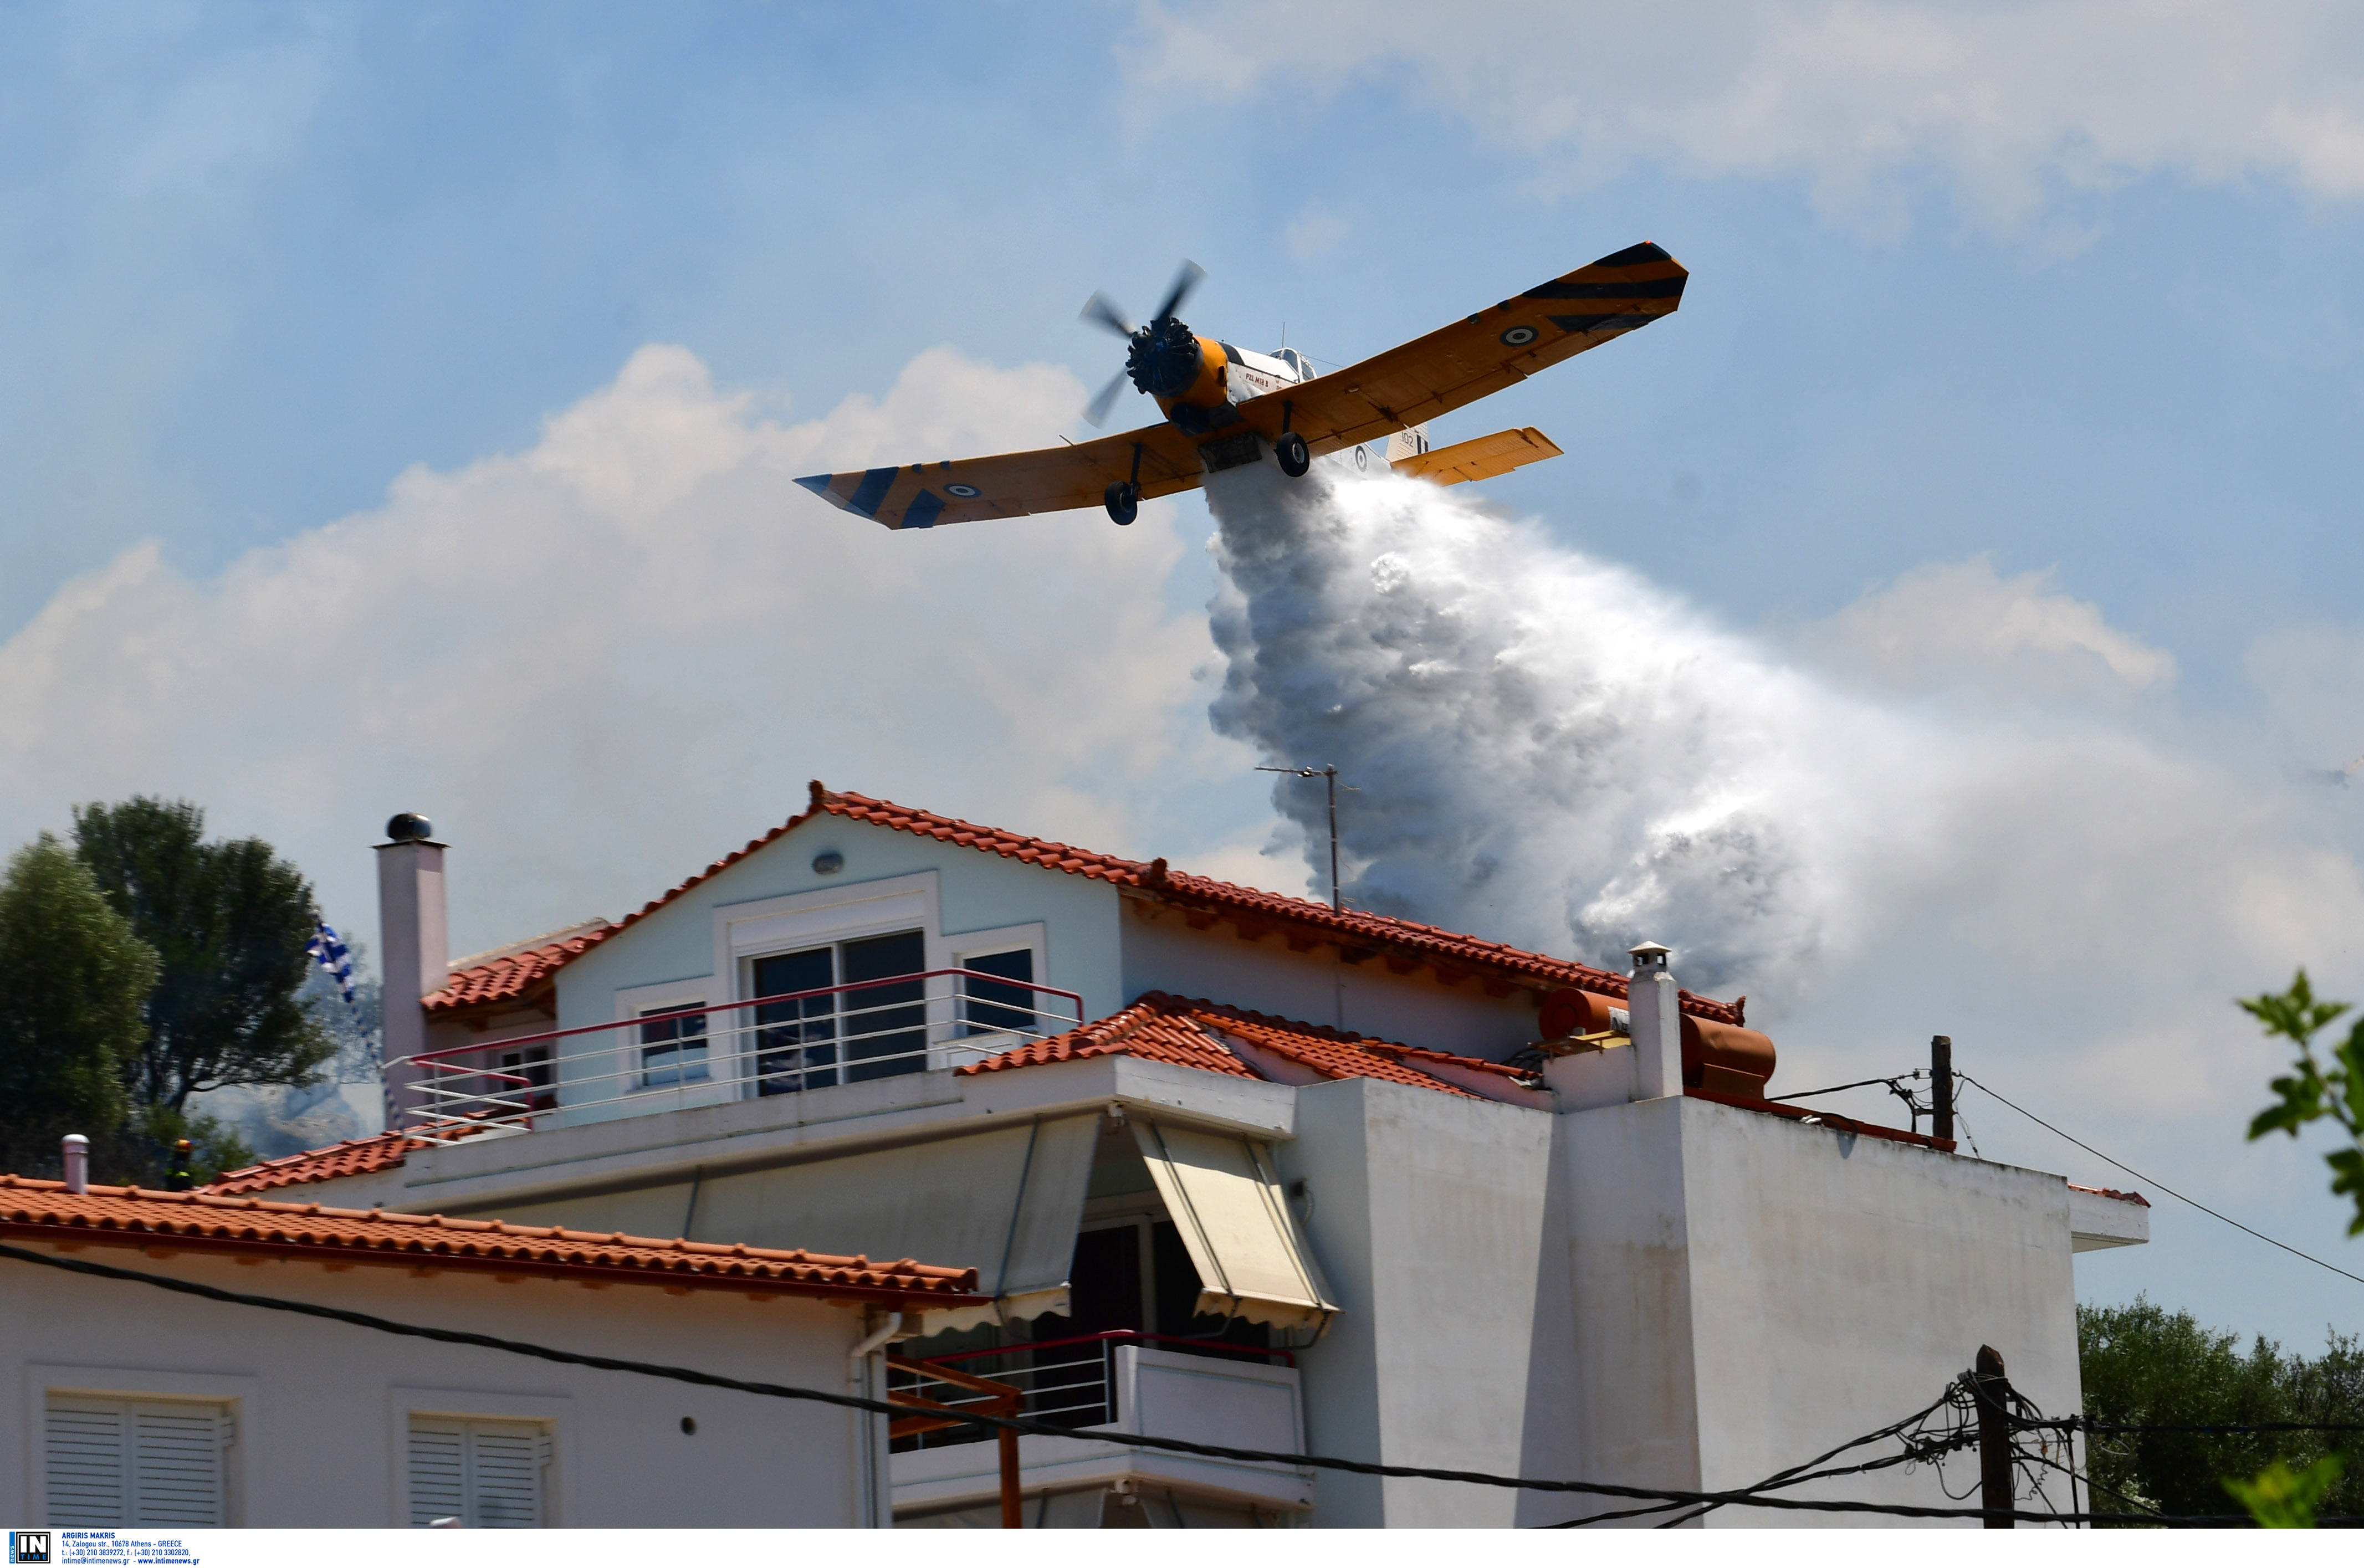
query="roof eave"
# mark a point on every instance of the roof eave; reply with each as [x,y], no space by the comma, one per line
[68,1237]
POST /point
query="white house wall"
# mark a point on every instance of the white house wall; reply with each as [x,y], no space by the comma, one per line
[1427,1215]
[1162,953]
[1672,1292]
[320,1407]
[1839,1282]
[1748,1292]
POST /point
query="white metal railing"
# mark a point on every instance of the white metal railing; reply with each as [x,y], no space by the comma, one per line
[1066,1381]
[675,1058]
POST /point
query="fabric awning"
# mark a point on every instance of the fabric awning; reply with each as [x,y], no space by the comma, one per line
[1223,1196]
[1005,1203]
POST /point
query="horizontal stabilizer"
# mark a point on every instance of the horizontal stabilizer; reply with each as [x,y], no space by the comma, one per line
[1487,457]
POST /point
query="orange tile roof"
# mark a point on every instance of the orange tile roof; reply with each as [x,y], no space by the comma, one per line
[513,978]
[2111,1192]
[204,1222]
[1156,1028]
[353,1157]
[1187,1032]
[517,977]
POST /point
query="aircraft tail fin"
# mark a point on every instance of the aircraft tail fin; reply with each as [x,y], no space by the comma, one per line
[1407,443]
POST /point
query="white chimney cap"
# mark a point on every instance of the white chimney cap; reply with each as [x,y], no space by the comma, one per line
[1650,955]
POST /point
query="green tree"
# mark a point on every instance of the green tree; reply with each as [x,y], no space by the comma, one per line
[73,975]
[2143,1365]
[229,918]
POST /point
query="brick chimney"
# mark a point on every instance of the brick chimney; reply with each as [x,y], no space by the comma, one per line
[413,946]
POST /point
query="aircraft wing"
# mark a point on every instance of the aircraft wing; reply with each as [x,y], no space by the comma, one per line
[1456,365]
[1055,479]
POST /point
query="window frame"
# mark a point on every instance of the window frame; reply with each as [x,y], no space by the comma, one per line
[635,1003]
[241,1396]
[682,1071]
[553,1414]
[828,917]
[1032,939]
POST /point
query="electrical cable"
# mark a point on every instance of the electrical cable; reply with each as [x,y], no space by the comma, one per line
[1797,1474]
[1836,1088]
[2118,1428]
[2162,1186]
[2074,1477]
[1040,1428]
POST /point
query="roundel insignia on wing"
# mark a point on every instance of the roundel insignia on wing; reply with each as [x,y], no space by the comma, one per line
[965,492]
[1520,337]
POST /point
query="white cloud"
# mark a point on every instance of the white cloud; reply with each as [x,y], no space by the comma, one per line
[599,663]
[1859,98]
[1958,627]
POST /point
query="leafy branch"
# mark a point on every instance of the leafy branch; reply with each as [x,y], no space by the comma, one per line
[2316,1089]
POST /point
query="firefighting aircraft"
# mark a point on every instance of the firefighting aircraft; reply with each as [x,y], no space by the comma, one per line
[1225,407]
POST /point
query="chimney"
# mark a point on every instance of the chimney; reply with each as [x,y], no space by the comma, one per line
[77,1160]
[1654,1009]
[414,949]
[1941,1086]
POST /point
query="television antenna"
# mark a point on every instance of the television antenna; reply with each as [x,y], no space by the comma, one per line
[1330,775]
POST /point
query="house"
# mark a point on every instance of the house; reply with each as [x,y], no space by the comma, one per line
[138,1409]
[1230,1166]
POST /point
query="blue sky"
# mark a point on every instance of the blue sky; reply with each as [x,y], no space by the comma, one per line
[2075,289]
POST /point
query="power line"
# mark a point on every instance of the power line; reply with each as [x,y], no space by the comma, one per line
[2125,1428]
[1040,1428]
[2162,1186]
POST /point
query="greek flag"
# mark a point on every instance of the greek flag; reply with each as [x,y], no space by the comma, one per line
[327,950]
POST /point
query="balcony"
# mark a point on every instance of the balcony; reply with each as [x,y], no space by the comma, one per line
[1117,1382]
[766,1046]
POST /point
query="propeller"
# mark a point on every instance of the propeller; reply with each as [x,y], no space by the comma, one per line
[1102,311]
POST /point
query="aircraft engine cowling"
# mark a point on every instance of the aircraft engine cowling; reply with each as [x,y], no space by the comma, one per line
[1171,364]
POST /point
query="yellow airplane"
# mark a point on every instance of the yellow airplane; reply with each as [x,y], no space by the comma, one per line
[1225,407]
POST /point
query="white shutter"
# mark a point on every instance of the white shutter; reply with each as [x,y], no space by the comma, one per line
[507,1457]
[85,1443]
[439,1471]
[176,1471]
[135,1463]
[486,1475]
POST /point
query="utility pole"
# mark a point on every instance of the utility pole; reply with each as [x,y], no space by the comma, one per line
[1993,1391]
[1329,773]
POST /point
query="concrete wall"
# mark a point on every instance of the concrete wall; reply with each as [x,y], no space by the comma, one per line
[1748,1292]
[1839,1282]
[1672,1292]
[321,1410]
[1162,953]
[1427,1215]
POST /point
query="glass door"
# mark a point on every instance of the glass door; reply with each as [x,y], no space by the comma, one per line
[885,1027]
[795,1042]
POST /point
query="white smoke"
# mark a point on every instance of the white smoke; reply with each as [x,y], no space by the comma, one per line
[1967,791]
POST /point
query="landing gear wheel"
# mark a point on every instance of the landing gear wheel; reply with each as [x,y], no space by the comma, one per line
[1293,454]
[1123,503]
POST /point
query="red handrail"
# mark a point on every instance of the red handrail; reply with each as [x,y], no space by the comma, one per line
[1288,1358]
[510,1040]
